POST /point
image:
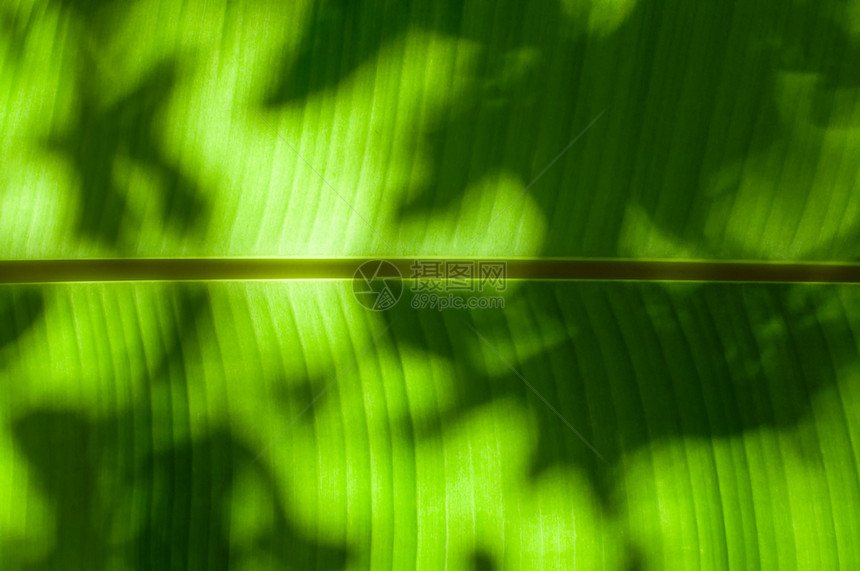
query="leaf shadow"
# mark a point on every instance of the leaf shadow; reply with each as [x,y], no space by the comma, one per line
[22,309]
[621,374]
[469,139]
[464,145]
[98,476]
[138,487]
[102,136]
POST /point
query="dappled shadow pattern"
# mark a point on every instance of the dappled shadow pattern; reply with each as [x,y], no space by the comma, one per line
[102,136]
[355,33]
[631,366]
[672,67]
[112,142]
[715,330]
[175,504]
[138,487]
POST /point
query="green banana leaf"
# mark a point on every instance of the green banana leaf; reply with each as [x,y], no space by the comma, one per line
[280,424]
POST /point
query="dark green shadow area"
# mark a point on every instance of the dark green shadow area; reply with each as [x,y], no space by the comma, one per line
[20,310]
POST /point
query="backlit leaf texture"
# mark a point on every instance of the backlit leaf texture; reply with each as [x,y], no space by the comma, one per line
[274,424]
